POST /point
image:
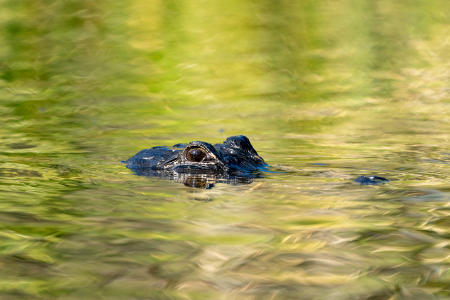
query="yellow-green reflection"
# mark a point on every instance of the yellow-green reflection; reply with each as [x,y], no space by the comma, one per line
[326,90]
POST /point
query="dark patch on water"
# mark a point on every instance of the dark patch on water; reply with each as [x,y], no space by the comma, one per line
[20,146]
[11,172]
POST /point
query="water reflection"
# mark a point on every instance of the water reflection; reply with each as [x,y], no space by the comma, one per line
[328,89]
[202,181]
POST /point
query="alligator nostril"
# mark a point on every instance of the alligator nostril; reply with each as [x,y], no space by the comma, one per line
[195,154]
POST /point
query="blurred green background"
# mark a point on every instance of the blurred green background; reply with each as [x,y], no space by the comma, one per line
[325,90]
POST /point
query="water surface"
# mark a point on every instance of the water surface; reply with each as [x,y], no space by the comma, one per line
[326,91]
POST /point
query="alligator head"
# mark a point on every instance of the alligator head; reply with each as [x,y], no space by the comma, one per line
[235,160]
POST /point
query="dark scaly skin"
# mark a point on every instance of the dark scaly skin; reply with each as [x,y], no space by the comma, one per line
[371,180]
[201,164]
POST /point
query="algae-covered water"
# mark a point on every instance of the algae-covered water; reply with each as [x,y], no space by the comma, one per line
[325,90]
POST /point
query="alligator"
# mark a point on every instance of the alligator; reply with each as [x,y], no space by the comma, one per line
[200,164]
[371,180]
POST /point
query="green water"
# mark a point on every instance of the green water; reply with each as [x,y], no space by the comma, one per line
[325,90]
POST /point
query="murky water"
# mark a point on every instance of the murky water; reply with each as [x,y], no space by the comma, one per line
[325,90]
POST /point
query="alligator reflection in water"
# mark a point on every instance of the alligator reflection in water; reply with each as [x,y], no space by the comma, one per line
[203,181]
[200,164]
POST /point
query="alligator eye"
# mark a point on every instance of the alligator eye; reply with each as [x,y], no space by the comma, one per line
[195,154]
